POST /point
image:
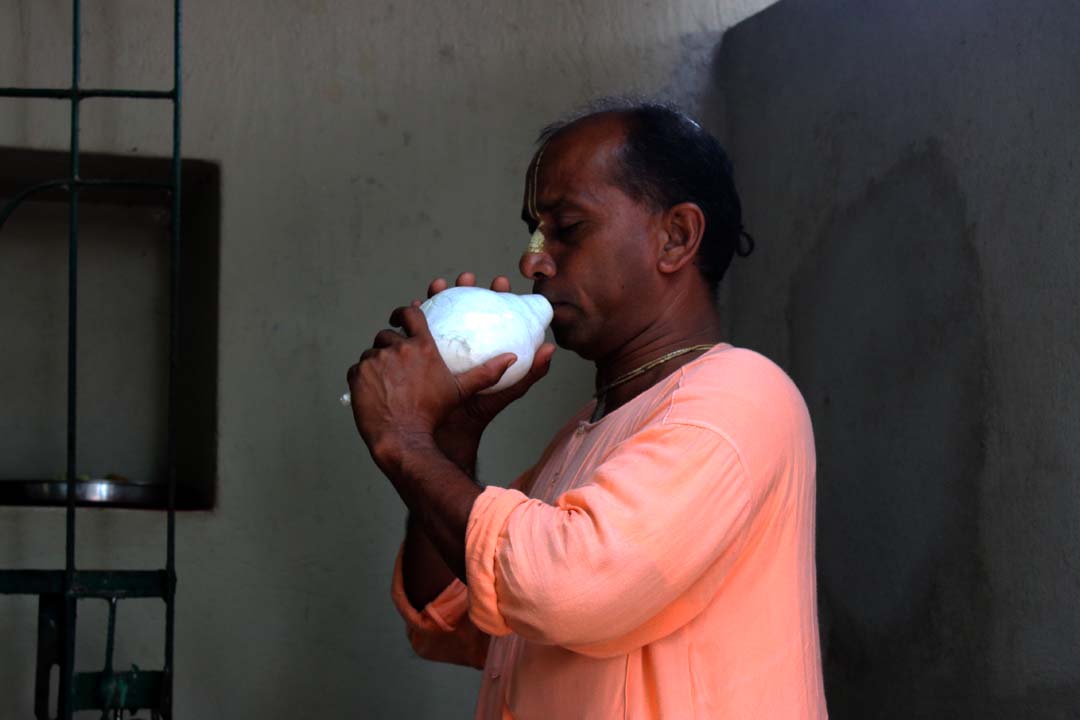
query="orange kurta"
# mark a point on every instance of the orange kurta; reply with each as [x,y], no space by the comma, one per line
[658,563]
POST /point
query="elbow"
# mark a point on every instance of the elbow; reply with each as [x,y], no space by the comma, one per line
[575,618]
[577,586]
[559,623]
[587,633]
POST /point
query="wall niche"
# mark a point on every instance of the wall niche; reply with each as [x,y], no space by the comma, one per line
[123,334]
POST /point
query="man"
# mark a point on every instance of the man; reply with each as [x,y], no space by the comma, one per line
[658,560]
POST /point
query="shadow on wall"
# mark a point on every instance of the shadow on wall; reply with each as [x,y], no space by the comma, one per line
[888,344]
[908,170]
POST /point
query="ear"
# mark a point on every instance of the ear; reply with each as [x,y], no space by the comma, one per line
[684,224]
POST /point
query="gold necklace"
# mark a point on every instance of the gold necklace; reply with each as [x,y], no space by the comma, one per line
[625,377]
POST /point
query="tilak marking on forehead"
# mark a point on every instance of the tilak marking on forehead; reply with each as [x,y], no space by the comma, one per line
[536,240]
[534,211]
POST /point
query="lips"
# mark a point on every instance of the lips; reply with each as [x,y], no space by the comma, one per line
[557,304]
[563,312]
[538,288]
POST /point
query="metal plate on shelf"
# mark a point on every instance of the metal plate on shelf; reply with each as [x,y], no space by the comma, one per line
[96,492]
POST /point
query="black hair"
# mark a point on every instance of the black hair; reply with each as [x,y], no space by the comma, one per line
[666,159]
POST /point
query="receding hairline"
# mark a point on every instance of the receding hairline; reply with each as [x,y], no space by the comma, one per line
[612,123]
[624,105]
[621,118]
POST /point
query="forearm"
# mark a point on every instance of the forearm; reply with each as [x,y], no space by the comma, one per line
[424,573]
[439,496]
[460,446]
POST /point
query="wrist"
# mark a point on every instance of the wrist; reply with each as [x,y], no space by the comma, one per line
[390,449]
[461,446]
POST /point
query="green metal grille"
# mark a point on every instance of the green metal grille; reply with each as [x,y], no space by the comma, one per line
[112,692]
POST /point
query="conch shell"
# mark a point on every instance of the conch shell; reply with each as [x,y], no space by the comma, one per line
[471,325]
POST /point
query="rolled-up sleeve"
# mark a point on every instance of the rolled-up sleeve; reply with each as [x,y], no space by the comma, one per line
[442,631]
[624,559]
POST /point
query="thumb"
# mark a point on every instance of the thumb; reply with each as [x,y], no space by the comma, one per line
[486,375]
[541,365]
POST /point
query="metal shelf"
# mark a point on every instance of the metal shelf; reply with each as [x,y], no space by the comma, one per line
[110,691]
[95,492]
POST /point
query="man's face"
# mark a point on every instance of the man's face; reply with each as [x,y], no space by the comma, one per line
[598,267]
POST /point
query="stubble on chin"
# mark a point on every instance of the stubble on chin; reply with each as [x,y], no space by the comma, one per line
[572,337]
[563,336]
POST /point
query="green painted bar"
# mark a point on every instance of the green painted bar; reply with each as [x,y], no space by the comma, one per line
[174,342]
[131,690]
[31,582]
[87,583]
[120,584]
[66,701]
[67,93]
[104,690]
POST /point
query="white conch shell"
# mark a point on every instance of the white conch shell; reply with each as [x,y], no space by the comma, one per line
[471,325]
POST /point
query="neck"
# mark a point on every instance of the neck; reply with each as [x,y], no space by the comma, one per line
[677,329]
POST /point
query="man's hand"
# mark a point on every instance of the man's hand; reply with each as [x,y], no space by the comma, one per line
[458,435]
[402,390]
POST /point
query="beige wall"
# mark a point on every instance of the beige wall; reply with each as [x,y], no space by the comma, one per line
[365,147]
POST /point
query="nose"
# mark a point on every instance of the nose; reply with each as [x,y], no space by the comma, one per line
[537,265]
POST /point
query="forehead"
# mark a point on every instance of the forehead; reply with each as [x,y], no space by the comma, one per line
[580,157]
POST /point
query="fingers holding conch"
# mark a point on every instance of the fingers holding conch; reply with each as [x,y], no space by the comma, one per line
[437,286]
[410,319]
[467,279]
[386,338]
